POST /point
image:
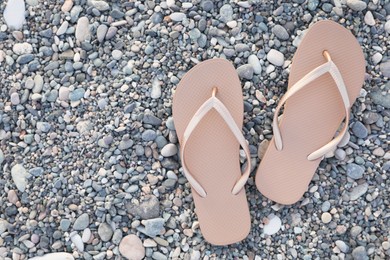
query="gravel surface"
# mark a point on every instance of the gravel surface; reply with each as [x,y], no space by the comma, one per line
[89,164]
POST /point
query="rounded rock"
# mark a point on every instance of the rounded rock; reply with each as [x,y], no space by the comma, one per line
[131,247]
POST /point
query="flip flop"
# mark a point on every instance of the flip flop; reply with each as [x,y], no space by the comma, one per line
[208,115]
[326,77]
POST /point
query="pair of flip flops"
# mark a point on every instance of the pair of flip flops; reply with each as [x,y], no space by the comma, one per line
[326,77]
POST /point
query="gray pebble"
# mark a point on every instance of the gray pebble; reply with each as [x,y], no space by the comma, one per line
[105,232]
[357,5]
[355,171]
[359,130]
[280,32]
[245,71]
[226,13]
[81,222]
[149,135]
[360,253]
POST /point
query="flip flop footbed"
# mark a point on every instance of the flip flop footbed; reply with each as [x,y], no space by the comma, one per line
[312,116]
[212,151]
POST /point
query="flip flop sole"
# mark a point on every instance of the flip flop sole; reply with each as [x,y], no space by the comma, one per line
[212,153]
[312,116]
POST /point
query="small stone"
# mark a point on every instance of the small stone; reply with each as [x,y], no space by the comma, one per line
[177,17]
[19,176]
[356,5]
[245,71]
[255,63]
[370,117]
[358,191]
[280,32]
[117,54]
[340,154]
[158,256]
[22,48]
[149,135]
[169,150]
[51,256]
[355,171]
[273,226]
[3,226]
[359,130]
[15,100]
[275,57]
[111,32]
[207,5]
[77,94]
[342,246]
[156,89]
[360,253]
[148,208]
[325,206]
[355,231]
[117,236]
[25,58]
[82,29]
[77,241]
[81,222]
[378,152]
[14,14]
[67,6]
[62,29]
[152,227]
[386,245]
[86,235]
[105,232]
[369,19]
[387,26]
[385,68]
[226,13]
[312,4]
[65,224]
[101,32]
[1,157]
[63,93]
[131,247]
[101,5]
[12,196]
[376,58]
[326,217]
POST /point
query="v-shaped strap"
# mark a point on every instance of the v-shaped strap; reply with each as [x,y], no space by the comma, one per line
[214,103]
[328,67]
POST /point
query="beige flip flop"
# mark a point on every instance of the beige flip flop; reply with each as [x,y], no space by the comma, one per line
[326,77]
[208,115]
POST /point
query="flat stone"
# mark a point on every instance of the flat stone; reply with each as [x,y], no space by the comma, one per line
[3,226]
[25,58]
[111,32]
[152,227]
[280,32]
[62,29]
[255,63]
[151,119]
[36,171]
[159,256]
[273,226]
[385,68]
[275,57]
[131,247]
[12,196]
[355,231]
[67,6]
[369,18]
[101,32]
[101,5]
[76,94]
[177,17]
[342,246]
[149,135]
[226,13]
[19,177]
[207,5]
[358,191]
[382,97]
[77,241]
[105,232]
[81,222]
[65,224]
[359,130]
[355,171]
[84,127]
[326,217]
[360,253]
[312,4]
[148,208]
[86,235]
[356,5]
[14,98]
[82,29]
[245,71]
[63,93]
[169,150]
[14,14]
[22,48]
[51,256]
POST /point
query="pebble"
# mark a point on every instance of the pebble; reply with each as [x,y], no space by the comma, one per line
[245,71]
[131,247]
[149,208]
[77,241]
[86,235]
[326,217]
[156,90]
[359,130]
[76,94]
[22,48]
[117,54]
[19,176]
[14,14]
[226,13]
[62,29]
[65,224]
[177,17]
[273,226]
[358,191]
[43,127]
[325,206]
[1,157]
[280,32]
[369,19]
[101,32]
[355,231]
[51,256]
[355,171]
[12,196]
[207,5]
[255,63]
[169,150]
[360,253]
[101,5]
[149,135]
[81,222]
[15,100]
[356,5]
[159,256]
[105,232]
[63,93]
[152,227]
[342,246]
[82,29]
[312,4]
[67,6]
[275,57]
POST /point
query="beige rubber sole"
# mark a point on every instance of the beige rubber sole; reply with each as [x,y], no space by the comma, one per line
[312,116]
[212,152]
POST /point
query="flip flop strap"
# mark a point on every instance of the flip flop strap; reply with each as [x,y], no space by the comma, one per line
[214,103]
[328,67]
